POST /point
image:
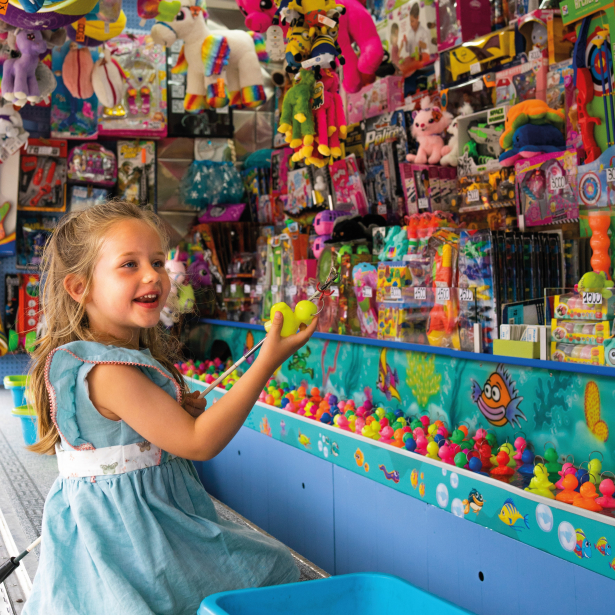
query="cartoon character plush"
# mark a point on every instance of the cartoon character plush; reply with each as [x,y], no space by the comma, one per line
[329,113]
[296,120]
[595,282]
[19,80]
[314,11]
[324,52]
[298,47]
[356,26]
[451,158]
[222,67]
[181,296]
[428,124]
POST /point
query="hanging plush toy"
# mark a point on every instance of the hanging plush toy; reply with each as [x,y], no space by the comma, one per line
[298,46]
[296,120]
[19,76]
[181,297]
[329,114]
[222,67]
[77,72]
[108,81]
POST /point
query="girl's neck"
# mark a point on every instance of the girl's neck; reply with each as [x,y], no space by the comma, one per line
[105,337]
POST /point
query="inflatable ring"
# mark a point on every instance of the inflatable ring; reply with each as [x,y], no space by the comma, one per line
[95,33]
[47,18]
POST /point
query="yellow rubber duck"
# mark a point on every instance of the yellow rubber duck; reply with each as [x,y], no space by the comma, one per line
[540,484]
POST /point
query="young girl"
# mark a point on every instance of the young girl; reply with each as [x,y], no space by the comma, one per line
[127,526]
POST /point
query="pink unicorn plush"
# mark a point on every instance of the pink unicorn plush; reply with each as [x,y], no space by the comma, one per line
[428,124]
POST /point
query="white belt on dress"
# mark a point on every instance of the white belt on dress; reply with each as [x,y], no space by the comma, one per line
[108,460]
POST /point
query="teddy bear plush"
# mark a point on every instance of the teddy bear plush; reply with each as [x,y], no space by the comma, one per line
[428,124]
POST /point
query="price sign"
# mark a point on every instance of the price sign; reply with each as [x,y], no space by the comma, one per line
[465,294]
[475,68]
[382,209]
[247,289]
[535,54]
[292,291]
[473,196]
[335,291]
[557,183]
[420,294]
[367,291]
[423,203]
[259,289]
[443,295]
[610,175]
[311,290]
[274,288]
[233,288]
[327,21]
[395,293]
[592,298]
[218,288]
[478,85]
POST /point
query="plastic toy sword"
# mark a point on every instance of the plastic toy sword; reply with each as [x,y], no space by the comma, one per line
[321,289]
[583,80]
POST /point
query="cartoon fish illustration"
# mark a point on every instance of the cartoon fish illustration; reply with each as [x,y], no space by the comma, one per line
[498,400]
[282,427]
[612,564]
[388,380]
[359,457]
[583,547]
[394,475]
[474,502]
[510,515]
[422,489]
[603,546]
[304,440]
[414,478]
[249,345]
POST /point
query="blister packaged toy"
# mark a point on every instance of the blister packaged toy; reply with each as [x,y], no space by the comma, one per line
[136,171]
[479,92]
[579,332]
[72,117]
[299,191]
[593,185]
[84,197]
[544,32]
[42,185]
[522,82]
[348,185]
[461,21]
[143,110]
[91,163]
[571,307]
[365,281]
[547,188]
[577,353]
[12,133]
[559,77]
[375,99]
[32,233]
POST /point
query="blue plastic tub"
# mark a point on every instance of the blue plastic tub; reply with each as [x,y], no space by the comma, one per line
[357,594]
[17,386]
[28,423]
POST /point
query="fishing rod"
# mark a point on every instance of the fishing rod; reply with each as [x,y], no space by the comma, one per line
[7,569]
[320,291]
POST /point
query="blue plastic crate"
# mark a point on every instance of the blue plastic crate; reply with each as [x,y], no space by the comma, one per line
[363,593]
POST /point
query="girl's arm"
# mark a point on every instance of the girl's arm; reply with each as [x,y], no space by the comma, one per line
[126,393]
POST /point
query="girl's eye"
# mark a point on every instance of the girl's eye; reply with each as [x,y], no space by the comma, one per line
[130,264]
[158,264]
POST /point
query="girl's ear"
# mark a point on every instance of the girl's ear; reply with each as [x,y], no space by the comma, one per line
[75,287]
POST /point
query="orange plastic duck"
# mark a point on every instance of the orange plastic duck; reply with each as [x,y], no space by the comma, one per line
[587,497]
[569,483]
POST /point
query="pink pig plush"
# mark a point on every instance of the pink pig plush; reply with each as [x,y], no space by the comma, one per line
[428,125]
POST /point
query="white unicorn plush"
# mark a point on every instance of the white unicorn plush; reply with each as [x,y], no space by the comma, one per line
[223,66]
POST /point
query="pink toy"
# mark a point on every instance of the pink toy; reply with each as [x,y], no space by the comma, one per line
[428,125]
[330,117]
[359,424]
[19,81]
[520,446]
[607,488]
[421,445]
[425,420]
[386,433]
[446,454]
[567,468]
[356,26]
[325,220]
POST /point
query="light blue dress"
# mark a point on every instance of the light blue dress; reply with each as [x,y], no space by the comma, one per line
[141,543]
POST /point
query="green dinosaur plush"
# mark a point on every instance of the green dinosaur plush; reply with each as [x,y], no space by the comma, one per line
[596,282]
[296,120]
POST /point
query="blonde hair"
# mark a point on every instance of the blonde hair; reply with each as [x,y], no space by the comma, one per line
[73,249]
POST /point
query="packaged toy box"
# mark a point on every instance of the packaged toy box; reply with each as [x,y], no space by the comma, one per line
[547,188]
[375,99]
[588,306]
[576,353]
[136,171]
[578,332]
[522,82]
[461,21]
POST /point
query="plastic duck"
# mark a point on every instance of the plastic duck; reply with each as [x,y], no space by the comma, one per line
[476,465]
[509,450]
[552,465]
[569,484]
[457,437]
[567,468]
[446,454]
[520,446]
[595,468]
[485,456]
[527,459]
[582,477]
[607,488]
[503,469]
[410,444]
[421,445]
[386,434]
[479,438]
[461,460]
[425,421]
[491,440]
[587,498]
[540,484]
[433,450]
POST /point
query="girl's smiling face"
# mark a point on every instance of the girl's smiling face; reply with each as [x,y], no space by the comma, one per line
[130,284]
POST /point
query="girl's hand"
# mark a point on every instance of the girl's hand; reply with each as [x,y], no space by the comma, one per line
[277,349]
[193,404]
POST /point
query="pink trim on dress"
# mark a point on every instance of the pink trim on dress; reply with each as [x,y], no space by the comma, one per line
[52,394]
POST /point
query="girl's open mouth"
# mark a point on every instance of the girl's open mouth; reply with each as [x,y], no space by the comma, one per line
[148,301]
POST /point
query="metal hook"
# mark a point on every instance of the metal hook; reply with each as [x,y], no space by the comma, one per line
[548,442]
[517,432]
[606,472]
[566,458]
[539,457]
[599,453]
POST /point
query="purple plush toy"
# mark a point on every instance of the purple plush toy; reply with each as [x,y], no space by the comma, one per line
[19,81]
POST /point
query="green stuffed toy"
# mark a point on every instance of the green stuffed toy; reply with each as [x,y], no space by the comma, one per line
[595,282]
[296,120]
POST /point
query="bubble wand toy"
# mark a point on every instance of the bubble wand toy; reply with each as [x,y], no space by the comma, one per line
[7,569]
[321,291]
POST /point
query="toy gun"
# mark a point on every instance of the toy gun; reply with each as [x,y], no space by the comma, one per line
[583,82]
[487,135]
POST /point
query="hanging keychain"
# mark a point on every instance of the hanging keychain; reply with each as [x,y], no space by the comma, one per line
[321,291]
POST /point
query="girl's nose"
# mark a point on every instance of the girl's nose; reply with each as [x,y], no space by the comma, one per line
[151,275]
